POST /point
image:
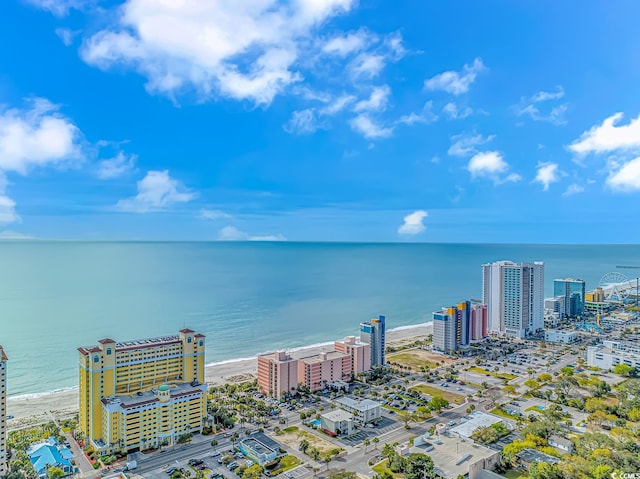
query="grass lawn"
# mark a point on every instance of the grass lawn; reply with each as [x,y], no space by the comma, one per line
[504,376]
[381,467]
[394,409]
[286,463]
[511,474]
[533,408]
[413,359]
[431,391]
[502,413]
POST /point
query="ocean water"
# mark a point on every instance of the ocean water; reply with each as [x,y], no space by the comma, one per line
[247,298]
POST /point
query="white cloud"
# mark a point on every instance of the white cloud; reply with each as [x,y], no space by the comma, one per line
[231,233]
[547,173]
[368,128]
[117,166]
[367,65]
[627,177]
[425,116]
[36,136]
[573,189]
[465,145]
[555,115]
[7,205]
[609,137]
[302,122]
[378,100]
[66,35]
[60,8]
[491,165]
[213,214]
[241,50]
[451,110]
[156,192]
[529,107]
[343,45]
[454,82]
[413,223]
[337,105]
[548,95]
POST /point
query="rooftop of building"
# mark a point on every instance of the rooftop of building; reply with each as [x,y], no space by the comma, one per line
[561,332]
[3,356]
[360,405]
[325,356]
[141,398]
[563,441]
[476,419]
[532,455]
[139,343]
[338,415]
[46,454]
[352,341]
[278,356]
[570,280]
[452,456]
[261,443]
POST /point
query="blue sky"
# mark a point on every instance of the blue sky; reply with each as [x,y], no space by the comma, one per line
[330,120]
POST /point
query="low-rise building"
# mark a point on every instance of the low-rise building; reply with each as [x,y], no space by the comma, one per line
[476,420]
[453,457]
[561,443]
[49,454]
[560,336]
[363,411]
[529,456]
[611,353]
[260,448]
[338,422]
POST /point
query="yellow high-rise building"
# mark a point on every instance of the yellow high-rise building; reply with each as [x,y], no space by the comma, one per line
[144,393]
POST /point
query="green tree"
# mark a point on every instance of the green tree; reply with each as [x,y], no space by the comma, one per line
[485,435]
[375,441]
[437,403]
[366,443]
[55,473]
[622,369]
[304,446]
[510,390]
[419,466]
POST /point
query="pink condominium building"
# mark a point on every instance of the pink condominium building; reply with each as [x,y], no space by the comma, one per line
[360,354]
[279,373]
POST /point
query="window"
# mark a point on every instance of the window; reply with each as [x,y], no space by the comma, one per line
[108,351]
[96,359]
[189,339]
[201,343]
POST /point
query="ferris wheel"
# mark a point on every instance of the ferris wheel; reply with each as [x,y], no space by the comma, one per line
[615,286]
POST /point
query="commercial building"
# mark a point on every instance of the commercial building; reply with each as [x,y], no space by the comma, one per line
[555,305]
[277,374]
[373,333]
[364,411]
[476,420]
[360,354]
[611,353]
[514,295]
[338,422]
[143,393]
[260,448]
[560,336]
[572,293]
[3,413]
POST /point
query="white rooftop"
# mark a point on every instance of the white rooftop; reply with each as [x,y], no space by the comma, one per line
[476,420]
[338,415]
[363,405]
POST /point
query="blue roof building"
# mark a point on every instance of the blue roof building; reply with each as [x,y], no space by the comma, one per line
[46,455]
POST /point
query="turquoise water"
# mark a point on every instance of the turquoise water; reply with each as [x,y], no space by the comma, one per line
[246,297]
[316,423]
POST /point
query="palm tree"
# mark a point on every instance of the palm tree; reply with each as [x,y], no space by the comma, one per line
[366,443]
[375,440]
[304,446]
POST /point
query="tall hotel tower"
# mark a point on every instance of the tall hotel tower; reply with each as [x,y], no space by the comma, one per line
[135,395]
[373,333]
[514,295]
[3,413]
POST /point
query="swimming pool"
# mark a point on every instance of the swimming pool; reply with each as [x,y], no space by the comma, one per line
[315,422]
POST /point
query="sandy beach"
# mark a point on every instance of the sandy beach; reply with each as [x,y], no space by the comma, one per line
[64,404]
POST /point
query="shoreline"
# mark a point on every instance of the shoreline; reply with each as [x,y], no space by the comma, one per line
[35,408]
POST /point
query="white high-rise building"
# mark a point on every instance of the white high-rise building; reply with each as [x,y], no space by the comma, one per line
[514,295]
[3,413]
